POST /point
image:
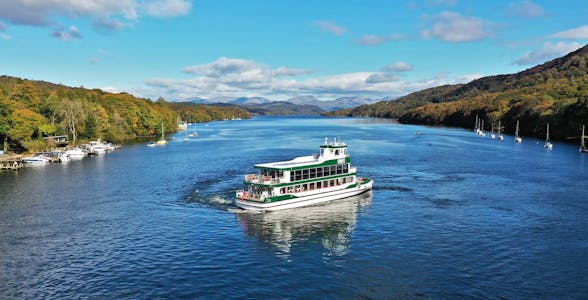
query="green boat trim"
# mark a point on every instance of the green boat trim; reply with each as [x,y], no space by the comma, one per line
[300,181]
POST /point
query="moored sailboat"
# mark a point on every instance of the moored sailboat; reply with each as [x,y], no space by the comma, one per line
[162,141]
[548,144]
[517,138]
[583,148]
[500,136]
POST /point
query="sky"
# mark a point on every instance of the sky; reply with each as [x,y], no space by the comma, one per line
[187,49]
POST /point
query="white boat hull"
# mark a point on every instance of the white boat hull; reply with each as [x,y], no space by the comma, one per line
[305,200]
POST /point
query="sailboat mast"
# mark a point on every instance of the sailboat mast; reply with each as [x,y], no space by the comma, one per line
[517,130]
[582,144]
[547,138]
[162,130]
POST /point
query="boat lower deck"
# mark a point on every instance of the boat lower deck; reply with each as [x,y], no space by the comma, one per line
[360,188]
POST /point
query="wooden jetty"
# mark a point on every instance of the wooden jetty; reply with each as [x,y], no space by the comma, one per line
[11,162]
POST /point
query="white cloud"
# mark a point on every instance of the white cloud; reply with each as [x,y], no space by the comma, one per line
[380,77]
[454,27]
[525,9]
[547,52]
[107,14]
[398,66]
[283,71]
[574,33]
[231,77]
[372,40]
[168,8]
[331,27]
[67,34]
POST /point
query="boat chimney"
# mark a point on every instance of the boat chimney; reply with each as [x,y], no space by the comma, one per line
[326,140]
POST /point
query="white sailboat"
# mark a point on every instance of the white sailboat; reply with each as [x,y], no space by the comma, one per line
[162,141]
[186,139]
[583,148]
[548,144]
[500,136]
[492,135]
[517,139]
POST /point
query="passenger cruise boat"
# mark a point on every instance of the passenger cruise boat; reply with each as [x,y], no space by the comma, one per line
[303,181]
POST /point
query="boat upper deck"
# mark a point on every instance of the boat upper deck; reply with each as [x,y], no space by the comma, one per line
[294,163]
[330,152]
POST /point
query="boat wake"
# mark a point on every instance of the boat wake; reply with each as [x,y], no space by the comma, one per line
[222,201]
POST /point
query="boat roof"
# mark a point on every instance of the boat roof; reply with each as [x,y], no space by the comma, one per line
[296,162]
[302,163]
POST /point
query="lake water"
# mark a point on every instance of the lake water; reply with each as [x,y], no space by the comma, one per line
[452,215]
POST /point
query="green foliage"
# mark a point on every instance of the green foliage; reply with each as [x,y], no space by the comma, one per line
[30,110]
[555,93]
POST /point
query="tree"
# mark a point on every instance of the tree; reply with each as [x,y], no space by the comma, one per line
[72,115]
[25,124]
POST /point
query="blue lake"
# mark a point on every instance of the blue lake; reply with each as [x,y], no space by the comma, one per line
[452,215]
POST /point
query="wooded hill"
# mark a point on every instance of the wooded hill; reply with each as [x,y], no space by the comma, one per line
[30,110]
[555,92]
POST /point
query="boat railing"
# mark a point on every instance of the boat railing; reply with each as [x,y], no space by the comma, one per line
[256,178]
[245,195]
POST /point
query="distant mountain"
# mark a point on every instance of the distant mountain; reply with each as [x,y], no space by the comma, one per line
[555,92]
[281,108]
[252,100]
[328,105]
[309,103]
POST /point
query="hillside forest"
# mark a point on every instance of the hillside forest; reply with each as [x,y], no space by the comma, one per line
[31,110]
[555,92]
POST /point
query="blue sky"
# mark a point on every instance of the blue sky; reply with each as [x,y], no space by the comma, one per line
[182,49]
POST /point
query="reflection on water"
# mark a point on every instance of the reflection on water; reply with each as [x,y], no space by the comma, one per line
[332,223]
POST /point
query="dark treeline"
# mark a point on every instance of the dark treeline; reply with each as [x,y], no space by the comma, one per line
[555,93]
[31,110]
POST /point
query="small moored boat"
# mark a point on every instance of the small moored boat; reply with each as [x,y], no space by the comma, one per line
[518,139]
[303,181]
[583,148]
[548,143]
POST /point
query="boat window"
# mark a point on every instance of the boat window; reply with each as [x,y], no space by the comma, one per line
[290,189]
[312,186]
[319,185]
[298,175]
[339,169]
[333,170]
[345,168]
[305,174]
[337,152]
[331,182]
[313,173]
[325,183]
[319,172]
[322,152]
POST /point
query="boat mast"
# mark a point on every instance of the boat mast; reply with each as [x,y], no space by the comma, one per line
[517,130]
[476,126]
[162,130]
[547,137]
[582,145]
